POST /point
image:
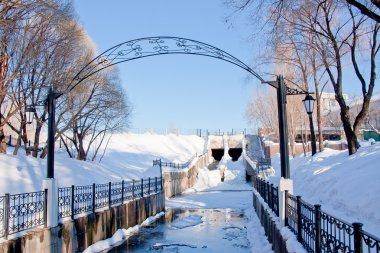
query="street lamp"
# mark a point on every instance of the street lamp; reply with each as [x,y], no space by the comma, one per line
[309,106]
[49,183]
[29,111]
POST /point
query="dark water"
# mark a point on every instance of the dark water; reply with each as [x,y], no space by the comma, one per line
[208,230]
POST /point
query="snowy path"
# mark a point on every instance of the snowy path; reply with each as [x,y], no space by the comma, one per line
[234,194]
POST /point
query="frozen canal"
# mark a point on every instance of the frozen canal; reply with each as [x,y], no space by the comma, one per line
[203,230]
[213,216]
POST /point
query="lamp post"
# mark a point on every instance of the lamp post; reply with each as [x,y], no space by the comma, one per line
[309,106]
[49,183]
[30,111]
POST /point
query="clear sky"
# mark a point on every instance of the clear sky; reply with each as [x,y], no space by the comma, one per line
[181,91]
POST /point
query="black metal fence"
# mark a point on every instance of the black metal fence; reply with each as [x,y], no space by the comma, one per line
[319,231]
[76,200]
[174,165]
[264,163]
[315,229]
[268,192]
[20,212]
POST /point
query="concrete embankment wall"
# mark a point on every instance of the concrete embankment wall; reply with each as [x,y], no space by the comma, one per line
[178,182]
[271,226]
[77,235]
[267,218]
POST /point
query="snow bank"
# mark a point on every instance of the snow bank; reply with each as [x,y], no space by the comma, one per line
[346,186]
[129,156]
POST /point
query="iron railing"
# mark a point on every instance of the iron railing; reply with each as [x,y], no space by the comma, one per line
[315,229]
[159,162]
[20,212]
[268,192]
[264,163]
[76,200]
[319,231]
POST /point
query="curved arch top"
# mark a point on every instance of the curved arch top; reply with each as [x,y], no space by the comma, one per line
[160,45]
[151,46]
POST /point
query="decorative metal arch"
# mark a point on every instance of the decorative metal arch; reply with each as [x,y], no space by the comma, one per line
[160,45]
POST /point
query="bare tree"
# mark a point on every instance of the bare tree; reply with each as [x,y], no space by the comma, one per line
[337,31]
[367,8]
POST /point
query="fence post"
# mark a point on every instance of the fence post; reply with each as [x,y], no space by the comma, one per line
[272,196]
[72,201]
[6,215]
[93,198]
[148,186]
[299,220]
[317,215]
[122,191]
[264,191]
[45,207]
[286,222]
[358,246]
[142,187]
[109,195]
[133,189]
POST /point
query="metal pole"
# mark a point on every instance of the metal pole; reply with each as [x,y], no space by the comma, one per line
[358,244]
[283,127]
[299,220]
[312,135]
[317,215]
[51,133]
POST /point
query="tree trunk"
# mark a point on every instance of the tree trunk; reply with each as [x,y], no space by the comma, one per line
[24,137]
[67,147]
[352,140]
[81,152]
[37,135]
[319,119]
[17,146]
[3,89]
[3,143]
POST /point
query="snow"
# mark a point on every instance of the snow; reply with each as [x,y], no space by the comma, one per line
[128,156]
[188,221]
[233,193]
[346,186]
[120,236]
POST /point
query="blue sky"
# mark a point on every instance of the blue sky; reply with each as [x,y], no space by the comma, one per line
[182,91]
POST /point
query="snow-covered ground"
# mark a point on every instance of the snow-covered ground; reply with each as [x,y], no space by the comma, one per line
[128,156]
[234,193]
[346,186]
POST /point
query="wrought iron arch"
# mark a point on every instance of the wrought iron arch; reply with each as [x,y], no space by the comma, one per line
[160,45]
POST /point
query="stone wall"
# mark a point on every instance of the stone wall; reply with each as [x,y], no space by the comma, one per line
[77,235]
[177,182]
[271,227]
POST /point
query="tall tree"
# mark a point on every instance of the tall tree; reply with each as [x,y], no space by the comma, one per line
[338,31]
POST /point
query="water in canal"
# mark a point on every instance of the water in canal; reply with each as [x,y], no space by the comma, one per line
[200,230]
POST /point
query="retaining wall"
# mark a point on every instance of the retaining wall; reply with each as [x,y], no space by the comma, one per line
[176,182]
[271,227]
[77,235]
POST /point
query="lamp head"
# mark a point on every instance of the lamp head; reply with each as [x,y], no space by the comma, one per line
[309,103]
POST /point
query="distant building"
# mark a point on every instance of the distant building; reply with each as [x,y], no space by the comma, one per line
[328,102]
